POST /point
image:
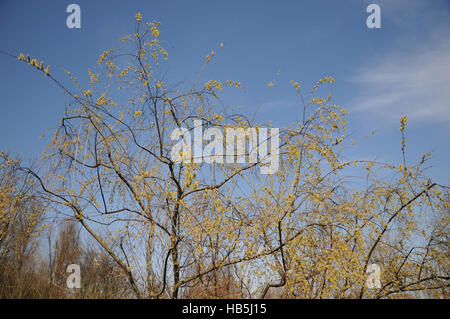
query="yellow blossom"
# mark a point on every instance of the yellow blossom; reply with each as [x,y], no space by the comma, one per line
[138,17]
[403,121]
[155,32]
[87,93]
[47,70]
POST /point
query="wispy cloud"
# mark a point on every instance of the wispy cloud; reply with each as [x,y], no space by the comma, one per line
[415,83]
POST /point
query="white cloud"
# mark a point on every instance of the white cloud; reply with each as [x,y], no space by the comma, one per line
[414,83]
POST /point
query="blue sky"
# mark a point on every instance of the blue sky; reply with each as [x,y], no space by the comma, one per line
[381,74]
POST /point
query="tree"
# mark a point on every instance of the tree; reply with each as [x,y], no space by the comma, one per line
[21,214]
[308,230]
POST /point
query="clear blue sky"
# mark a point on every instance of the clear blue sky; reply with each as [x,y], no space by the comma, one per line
[381,74]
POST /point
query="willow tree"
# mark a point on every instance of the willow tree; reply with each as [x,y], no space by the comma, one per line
[306,229]
[21,224]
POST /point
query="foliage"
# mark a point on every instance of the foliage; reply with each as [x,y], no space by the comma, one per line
[222,229]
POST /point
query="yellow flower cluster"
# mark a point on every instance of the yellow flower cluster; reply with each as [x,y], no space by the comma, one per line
[155,32]
[296,85]
[101,100]
[103,56]
[138,17]
[234,84]
[35,63]
[328,79]
[403,121]
[87,93]
[93,77]
[213,84]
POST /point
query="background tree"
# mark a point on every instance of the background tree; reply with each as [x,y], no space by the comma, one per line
[21,214]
